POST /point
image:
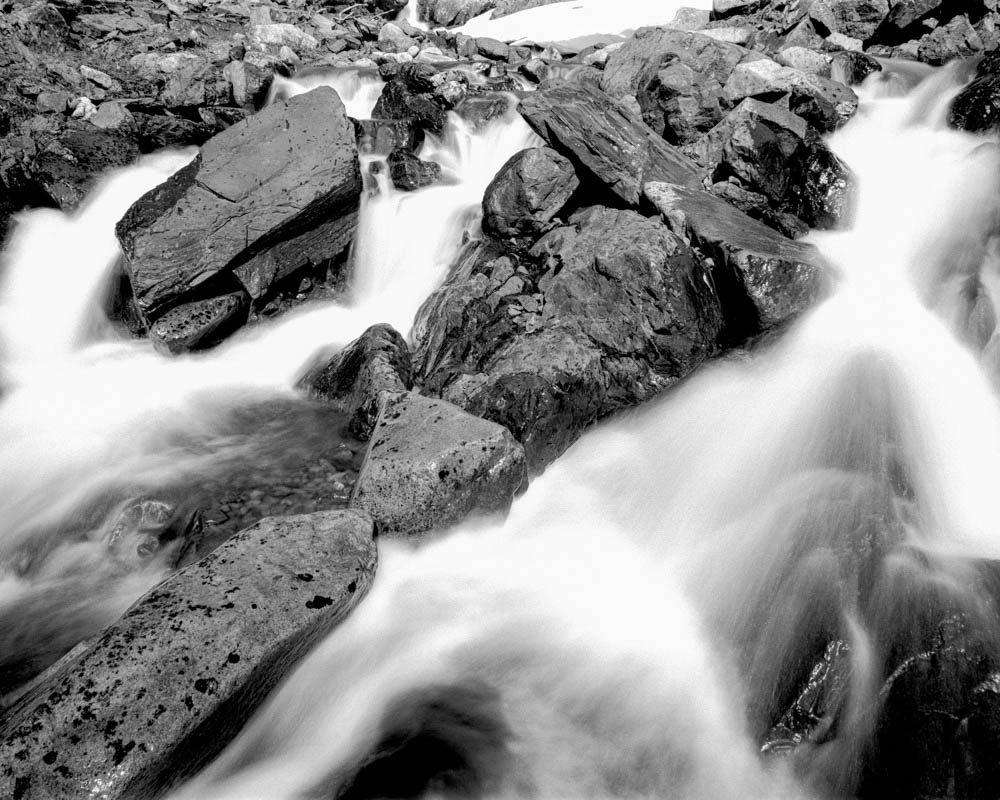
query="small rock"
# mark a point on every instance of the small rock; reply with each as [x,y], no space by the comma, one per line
[408,172]
[84,109]
[99,78]
[111,116]
[429,465]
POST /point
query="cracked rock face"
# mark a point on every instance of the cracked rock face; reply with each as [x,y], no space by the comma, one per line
[273,194]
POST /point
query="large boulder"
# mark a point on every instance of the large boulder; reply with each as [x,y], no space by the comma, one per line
[604,140]
[677,78]
[353,380]
[601,314]
[763,278]
[527,193]
[778,154]
[166,687]
[272,195]
[430,464]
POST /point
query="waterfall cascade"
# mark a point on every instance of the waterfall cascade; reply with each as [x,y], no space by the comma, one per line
[639,623]
[668,571]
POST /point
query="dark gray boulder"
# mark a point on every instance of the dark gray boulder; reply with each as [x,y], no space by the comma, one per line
[605,141]
[407,172]
[601,314]
[167,686]
[200,323]
[977,107]
[851,67]
[528,192]
[377,361]
[271,195]
[763,278]
[778,154]
[430,464]
[409,94]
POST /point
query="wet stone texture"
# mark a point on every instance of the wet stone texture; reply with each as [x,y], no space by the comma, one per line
[430,464]
[165,688]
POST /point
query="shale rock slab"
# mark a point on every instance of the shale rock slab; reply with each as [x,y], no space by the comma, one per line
[430,464]
[274,193]
[763,278]
[604,140]
[165,688]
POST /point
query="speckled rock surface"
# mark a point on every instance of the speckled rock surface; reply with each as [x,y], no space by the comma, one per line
[165,688]
[430,464]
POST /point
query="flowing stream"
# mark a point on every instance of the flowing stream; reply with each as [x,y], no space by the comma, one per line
[629,629]
[626,632]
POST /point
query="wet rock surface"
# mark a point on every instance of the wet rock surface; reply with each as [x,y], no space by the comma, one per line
[528,192]
[763,278]
[430,464]
[167,686]
[354,379]
[604,140]
[602,313]
[220,217]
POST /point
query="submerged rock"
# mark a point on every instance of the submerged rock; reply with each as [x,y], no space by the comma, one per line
[763,278]
[528,192]
[354,379]
[601,314]
[604,140]
[267,197]
[429,465]
[166,687]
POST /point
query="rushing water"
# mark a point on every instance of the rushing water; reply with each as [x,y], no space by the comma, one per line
[629,630]
[90,418]
[626,631]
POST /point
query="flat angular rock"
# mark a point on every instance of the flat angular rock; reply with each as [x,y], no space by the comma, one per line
[604,140]
[287,173]
[166,687]
[430,464]
[770,278]
[353,380]
[527,192]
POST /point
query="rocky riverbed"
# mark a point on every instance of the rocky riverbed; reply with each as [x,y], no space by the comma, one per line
[656,225]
